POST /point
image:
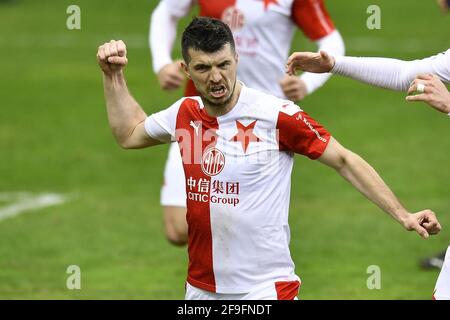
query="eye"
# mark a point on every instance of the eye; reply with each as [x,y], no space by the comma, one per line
[201,68]
[224,65]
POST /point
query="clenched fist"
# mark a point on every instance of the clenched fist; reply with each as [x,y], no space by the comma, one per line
[112,57]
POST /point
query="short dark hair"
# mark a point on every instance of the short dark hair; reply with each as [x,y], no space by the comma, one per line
[206,34]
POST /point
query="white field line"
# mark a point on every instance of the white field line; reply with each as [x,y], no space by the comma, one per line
[25,202]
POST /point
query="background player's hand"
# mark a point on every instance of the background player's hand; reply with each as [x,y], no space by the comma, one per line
[171,76]
[423,222]
[317,62]
[112,57]
[293,87]
[435,93]
[443,4]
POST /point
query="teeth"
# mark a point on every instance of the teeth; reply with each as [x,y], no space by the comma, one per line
[218,90]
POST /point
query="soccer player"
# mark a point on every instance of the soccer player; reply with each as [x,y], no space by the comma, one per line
[237,147]
[425,77]
[263,31]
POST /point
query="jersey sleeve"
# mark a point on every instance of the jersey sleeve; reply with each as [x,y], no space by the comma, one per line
[161,125]
[392,73]
[299,133]
[179,8]
[312,18]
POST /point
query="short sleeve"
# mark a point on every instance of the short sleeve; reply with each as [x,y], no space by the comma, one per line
[312,18]
[179,8]
[161,125]
[299,133]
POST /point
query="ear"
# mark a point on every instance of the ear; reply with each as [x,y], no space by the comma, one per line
[236,57]
[185,69]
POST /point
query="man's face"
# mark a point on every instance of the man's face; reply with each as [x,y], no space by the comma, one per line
[214,74]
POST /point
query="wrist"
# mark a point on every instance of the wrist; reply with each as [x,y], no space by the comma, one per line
[333,63]
[402,216]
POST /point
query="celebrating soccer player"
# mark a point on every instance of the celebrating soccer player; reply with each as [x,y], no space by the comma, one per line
[237,146]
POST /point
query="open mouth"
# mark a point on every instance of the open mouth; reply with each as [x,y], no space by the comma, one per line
[218,91]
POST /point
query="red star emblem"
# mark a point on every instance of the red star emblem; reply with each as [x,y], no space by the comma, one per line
[245,134]
[268,2]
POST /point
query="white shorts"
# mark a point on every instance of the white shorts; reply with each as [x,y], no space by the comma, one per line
[442,289]
[173,191]
[282,290]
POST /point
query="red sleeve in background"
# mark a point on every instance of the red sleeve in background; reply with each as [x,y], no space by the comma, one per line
[312,18]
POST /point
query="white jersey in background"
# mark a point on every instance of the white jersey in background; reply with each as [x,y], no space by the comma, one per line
[238,177]
[263,32]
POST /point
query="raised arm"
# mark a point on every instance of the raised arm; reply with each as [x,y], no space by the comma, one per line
[364,178]
[125,115]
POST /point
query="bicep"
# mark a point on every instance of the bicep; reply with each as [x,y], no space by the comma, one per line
[140,138]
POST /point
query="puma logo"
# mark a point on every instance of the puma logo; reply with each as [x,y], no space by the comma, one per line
[195,126]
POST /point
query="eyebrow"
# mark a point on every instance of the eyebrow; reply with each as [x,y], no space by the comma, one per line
[204,64]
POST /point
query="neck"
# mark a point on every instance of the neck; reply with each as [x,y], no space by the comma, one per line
[217,111]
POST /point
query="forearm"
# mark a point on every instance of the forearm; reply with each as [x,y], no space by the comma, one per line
[333,44]
[364,178]
[162,36]
[382,72]
[124,113]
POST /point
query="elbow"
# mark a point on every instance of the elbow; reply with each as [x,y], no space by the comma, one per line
[123,142]
[345,159]
[128,145]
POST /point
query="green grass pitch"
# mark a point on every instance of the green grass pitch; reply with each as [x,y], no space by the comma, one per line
[54,137]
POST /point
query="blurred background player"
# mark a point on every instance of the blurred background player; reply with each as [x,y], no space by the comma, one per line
[424,77]
[263,31]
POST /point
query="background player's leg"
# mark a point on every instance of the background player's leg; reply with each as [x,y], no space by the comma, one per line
[173,198]
[175,225]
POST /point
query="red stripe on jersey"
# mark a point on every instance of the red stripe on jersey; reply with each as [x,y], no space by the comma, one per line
[214,9]
[301,134]
[287,290]
[193,142]
[312,17]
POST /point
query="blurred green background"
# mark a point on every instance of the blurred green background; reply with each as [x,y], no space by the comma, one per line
[54,138]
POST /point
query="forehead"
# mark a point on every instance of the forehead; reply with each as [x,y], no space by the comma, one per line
[202,57]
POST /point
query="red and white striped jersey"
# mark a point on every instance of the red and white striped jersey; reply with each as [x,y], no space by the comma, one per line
[263,32]
[238,176]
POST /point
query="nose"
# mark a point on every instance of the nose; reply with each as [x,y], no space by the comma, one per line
[215,76]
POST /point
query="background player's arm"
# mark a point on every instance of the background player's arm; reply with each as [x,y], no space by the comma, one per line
[313,19]
[125,115]
[387,73]
[162,35]
[364,178]
[332,43]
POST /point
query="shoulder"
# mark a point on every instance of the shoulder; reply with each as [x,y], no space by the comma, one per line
[266,104]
